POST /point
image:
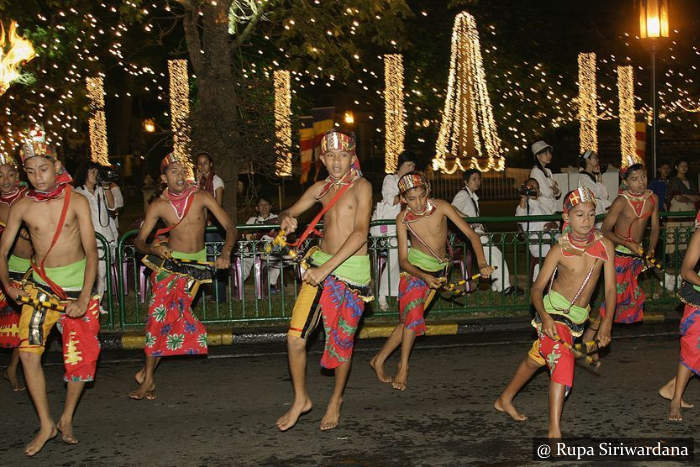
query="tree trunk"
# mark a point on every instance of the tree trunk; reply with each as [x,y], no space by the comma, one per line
[215,116]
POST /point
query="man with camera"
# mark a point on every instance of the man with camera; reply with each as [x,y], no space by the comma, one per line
[95,184]
[538,232]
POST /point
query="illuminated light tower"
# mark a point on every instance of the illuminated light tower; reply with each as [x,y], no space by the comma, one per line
[468,137]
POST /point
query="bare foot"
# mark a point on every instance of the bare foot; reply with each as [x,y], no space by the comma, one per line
[674,414]
[378,368]
[554,434]
[37,444]
[145,391]
[289,419]
[332,416]
[139,376]
[400,379]
[509,408]
[66,430]
[666,391]
[14,381]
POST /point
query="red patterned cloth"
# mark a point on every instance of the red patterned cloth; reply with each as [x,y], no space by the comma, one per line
[630,296]
[690,339]
[413,293]
[559,359]
[171,328]
[341,308]
[9,324]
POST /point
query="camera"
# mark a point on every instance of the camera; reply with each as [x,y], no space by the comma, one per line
[107,175]
[524,190]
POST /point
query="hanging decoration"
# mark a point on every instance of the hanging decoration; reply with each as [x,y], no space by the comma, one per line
[283,124]
[468,137]
[394,126]
[180,112]
[98,121]
[587,103]
[625,92]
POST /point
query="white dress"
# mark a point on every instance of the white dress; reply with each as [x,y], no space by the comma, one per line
[386,209]
[546,183]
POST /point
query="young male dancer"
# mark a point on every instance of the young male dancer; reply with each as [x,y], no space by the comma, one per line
[337,284]
[424,267]
[63,266]
[171,327]
[689,363]
[572,268]
[10,193]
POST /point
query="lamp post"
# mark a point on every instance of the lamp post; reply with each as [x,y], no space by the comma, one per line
[653,24]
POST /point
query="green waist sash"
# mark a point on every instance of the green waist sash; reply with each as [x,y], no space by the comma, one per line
[69,277]
[17,264]
[556,304]
[200,255]
[425,261]
[354,271]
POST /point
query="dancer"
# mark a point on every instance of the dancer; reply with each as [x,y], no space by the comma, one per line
[572,268]
[10,192]
[63,267]
[171,327]
[424,267]
[337,284]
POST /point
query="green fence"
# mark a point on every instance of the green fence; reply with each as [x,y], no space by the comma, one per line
[256,300]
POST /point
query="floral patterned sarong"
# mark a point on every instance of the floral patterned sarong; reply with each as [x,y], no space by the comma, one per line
[9,324]
[558,358]
[690,338]
[630,296]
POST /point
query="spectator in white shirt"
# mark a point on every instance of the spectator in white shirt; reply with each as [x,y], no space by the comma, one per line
[467,203]
[265,216]
[590,177]
[550,192]
[388,208]
[531,205]
[101,202]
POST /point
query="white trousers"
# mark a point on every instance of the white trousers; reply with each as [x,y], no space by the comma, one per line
[273,273]
[494,257]
[389,280]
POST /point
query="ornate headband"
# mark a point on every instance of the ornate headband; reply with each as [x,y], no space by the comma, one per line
[578,196]
[334,140]
[412,180]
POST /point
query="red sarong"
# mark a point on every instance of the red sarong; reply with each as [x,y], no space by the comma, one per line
[171,328]
[630,296]
[690,338]
[341,308]
[558,358]
[9,324]
[413,292]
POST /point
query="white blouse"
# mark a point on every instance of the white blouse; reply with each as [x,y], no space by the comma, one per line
[546,183]
[602,198]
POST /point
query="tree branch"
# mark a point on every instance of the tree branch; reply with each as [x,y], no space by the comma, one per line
[242,37]
[194,45]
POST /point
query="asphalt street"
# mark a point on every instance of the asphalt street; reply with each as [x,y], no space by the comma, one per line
[222,410]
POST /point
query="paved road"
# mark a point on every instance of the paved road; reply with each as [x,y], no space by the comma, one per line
[221,410]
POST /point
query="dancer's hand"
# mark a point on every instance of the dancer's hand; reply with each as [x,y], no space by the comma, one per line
[486,270]
[604,337]
[549,328]
[635,247]
[314,276]
[15,292]
[77,308]
[432,281]
[223,262]
[288,224]
[163,251]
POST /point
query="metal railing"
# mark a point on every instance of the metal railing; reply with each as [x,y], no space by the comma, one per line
[249,298]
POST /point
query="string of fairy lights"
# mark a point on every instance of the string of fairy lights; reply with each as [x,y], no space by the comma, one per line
[98,121]
[468,137]
[180,111]
[394,123]
[625,90]
[538,87]
[283,123]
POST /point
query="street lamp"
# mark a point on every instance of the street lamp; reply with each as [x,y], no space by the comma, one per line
[149,125]
[653,24]
[349,118]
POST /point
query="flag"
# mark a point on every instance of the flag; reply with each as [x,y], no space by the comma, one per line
[323,121]
[306,144]
[641,140]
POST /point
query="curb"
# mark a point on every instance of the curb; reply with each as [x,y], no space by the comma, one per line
[135,340]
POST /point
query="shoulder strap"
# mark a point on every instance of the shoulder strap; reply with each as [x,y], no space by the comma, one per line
[311,228]
[39,268]
[164,230]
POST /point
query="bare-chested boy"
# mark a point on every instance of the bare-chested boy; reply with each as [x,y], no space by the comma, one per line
[424,267]
[689,363]
[171,327]
[577,261]
[337,283]
[10,193]
[64,265]
[625,225]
